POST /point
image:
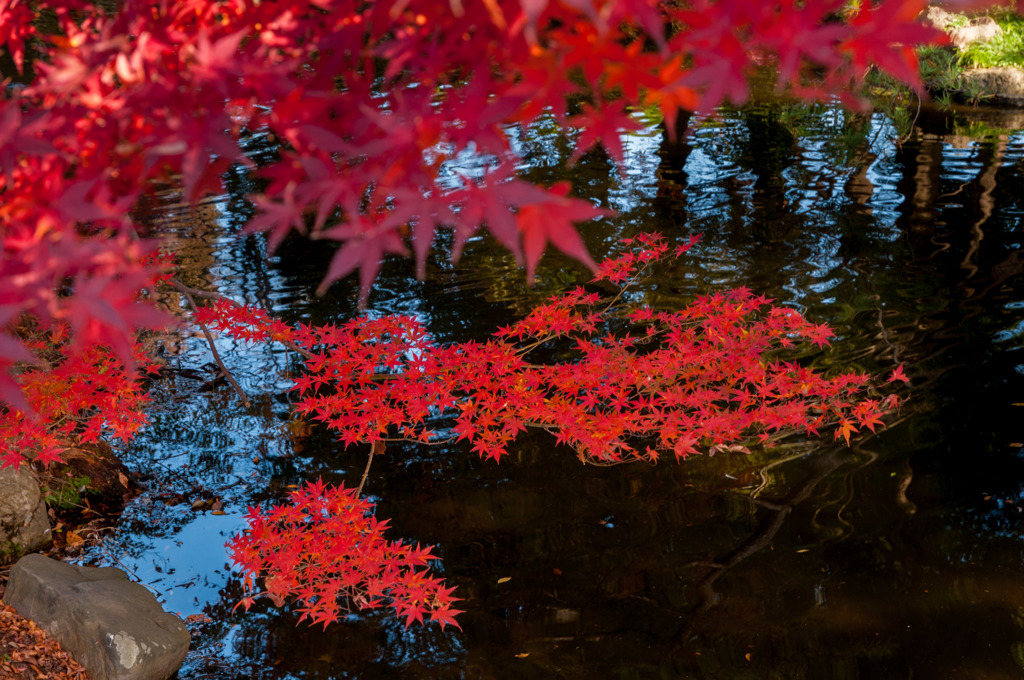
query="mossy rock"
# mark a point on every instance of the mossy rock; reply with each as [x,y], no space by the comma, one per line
[24,525]
[1004,85]
[109,481]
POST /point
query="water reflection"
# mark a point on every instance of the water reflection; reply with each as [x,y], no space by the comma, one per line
[899,557]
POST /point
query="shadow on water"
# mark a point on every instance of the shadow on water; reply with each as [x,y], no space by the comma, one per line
[900,557]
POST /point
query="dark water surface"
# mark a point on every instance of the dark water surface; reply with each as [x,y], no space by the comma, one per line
[901,557]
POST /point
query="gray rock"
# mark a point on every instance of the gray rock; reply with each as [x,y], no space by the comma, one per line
[115,628]
[1003,85]
[24,526]
[978,29]
[936,17]
[981,29]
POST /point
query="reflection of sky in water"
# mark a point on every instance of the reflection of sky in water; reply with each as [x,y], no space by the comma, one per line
[638,184]
[1013,336]
[189,571]
[207,442]
[198,444]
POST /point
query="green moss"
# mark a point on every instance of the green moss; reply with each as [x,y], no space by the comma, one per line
[10,551]
[65,493]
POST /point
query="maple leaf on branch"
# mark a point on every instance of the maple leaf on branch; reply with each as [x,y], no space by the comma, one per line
[357,569]
[278,217]
[12,352]
[91,201]
[20,135]
[65,396]
[886,35]
[707,379]
[490,202]
[373,106]
[105,310]
[478,116]
[365,242]
[898,374]
[216,61]
[799,34]
[702,377]
[16,17]
[844,430]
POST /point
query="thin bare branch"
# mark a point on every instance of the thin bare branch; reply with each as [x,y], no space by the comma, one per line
[376,447]
[187,292]
[195,292]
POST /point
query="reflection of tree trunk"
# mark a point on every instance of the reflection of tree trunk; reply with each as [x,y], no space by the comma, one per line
[190,233]
[768,156]
[921,172]
[672,180]
[859,187]
[986,180]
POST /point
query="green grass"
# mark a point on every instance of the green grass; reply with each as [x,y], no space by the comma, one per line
[1003,50]
[942,72]
[942,68]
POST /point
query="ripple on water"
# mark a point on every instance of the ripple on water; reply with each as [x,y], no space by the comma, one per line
[672,570]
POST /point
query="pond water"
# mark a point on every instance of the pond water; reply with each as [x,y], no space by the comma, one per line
[901,556]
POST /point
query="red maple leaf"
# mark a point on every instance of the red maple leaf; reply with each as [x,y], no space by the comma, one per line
[885,35]
[16,17]
[603,126]
[898,374]
[553,221]
[365,242]
[491,202]
[845,428]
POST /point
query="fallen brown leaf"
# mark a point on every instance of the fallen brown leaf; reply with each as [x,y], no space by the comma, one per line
[27,653]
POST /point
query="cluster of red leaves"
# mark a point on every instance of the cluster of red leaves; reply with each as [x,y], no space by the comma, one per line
[703,378]
[70,399]
[371,102]
[326,550]
[698,378]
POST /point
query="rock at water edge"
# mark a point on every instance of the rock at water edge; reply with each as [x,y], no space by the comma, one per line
[115,628]
[24,526]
